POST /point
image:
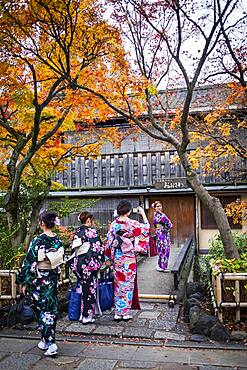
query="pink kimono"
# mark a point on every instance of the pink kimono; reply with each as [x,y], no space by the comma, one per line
[125,263]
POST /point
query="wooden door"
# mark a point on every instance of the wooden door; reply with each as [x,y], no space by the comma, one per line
[181,211]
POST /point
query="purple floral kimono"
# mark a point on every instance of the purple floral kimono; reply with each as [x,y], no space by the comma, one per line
[162,226]
[85,267]
[125,263]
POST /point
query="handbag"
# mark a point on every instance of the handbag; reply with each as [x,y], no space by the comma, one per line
[106,291]
[21,312]
[75,303]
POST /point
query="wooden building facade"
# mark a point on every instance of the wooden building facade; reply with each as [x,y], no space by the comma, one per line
[142,170]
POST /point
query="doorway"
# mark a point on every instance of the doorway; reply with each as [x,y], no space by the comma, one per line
[181,211]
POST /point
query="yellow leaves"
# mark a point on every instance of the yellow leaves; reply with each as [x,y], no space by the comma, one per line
[212,117]
[242,124]
[238,95]
[152,88]
[195,157]
[220,135]
[57,186]
[238,211]
[175,159]
[225,129]
[115,136]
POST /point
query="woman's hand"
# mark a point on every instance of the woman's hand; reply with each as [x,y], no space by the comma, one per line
[23,289]
[142,213]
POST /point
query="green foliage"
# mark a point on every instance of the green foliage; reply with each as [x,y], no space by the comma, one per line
[232,265]
[9,256]
[67,206]
[217,250]
[217,256]
[201,270]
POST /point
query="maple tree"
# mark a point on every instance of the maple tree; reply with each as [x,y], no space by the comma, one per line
[161,35]
[62,63]
[224,129]
[221,140]
[45,44]
[221,134]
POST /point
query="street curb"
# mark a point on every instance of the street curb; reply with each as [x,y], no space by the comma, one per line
[128,341]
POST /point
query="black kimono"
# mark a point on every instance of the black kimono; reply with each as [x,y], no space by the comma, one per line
[85,267]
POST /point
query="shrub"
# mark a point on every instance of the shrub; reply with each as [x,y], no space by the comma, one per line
[217,256]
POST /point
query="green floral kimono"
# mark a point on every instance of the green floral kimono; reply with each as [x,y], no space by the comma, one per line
[42,285]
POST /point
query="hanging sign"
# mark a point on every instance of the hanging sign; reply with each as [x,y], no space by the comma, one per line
[171,183]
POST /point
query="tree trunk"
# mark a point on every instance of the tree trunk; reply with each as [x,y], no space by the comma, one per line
[15,226]
[33,223]
[214,205]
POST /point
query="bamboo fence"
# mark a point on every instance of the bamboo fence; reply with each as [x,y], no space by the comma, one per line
[219,283]
[13,289]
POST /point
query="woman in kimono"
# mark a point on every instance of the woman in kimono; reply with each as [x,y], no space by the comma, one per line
[39,276]
[85,263]
[125,237]
[162,226]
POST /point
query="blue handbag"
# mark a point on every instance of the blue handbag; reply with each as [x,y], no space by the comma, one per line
[75,303]
[106,291]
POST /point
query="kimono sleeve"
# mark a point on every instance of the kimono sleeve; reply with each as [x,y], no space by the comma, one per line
[141,232]
[95,256]
[110,237]
[165,221]
[28,269]
[98,248]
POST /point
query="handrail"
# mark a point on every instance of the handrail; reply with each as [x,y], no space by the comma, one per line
[180,261]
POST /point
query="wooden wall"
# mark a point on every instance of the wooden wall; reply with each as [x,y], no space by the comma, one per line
[181,211]
[125,170]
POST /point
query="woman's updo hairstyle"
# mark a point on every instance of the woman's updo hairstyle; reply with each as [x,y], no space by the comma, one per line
[124,206]
[154,204]
[83,216]
[49,218]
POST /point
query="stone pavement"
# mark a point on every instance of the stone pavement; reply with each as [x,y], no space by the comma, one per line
[22,354]
[154,339]
[153,321]
[151,281]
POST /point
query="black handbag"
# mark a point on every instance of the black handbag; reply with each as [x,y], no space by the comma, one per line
[21,312]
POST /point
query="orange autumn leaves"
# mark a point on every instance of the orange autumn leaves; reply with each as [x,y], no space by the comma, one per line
[219,135]
[47,48]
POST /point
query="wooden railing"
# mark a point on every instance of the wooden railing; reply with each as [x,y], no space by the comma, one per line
[185,252]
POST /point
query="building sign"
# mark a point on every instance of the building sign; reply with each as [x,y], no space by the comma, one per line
[174,183]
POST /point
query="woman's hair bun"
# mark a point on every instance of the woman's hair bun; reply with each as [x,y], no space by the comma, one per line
[50,218]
